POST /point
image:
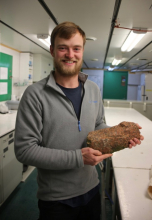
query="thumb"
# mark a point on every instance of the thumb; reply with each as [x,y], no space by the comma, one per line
[97,153]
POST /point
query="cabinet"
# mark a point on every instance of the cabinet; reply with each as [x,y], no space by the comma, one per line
[1,191]
[26,68]
[10,168]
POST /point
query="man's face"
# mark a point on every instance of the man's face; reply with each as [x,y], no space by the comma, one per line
[68,55]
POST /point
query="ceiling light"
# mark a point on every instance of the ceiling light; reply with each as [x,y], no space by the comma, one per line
[44,38]
[91,38]
[141,59]
[133,38]
[110,68]
[115,62]
[94,59]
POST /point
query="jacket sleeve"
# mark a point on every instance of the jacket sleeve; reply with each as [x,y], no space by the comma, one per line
[28,139]
[100,121]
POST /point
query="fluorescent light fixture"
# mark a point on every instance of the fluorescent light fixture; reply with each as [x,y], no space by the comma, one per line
[115,62]
[91,38]
[110,68]
[94,59]
[133,38]
[44,38]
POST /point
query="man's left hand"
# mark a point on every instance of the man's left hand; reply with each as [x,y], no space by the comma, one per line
[133,142]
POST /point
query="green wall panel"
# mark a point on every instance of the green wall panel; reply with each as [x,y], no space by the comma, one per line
[115,85]
[6,61]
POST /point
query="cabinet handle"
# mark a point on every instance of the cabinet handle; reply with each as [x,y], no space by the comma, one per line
[11,135]
[11,141]
[5,140]
[5,149]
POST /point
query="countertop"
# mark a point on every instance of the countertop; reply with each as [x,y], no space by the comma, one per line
[132,166]
[7,122]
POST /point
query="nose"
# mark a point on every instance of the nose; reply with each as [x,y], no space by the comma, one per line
[70,53]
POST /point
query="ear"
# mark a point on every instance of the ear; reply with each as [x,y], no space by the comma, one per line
[52,50]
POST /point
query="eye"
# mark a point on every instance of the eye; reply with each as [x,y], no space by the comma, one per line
[62,48]
[77,49]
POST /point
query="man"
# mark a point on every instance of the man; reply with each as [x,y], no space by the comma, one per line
[54,118]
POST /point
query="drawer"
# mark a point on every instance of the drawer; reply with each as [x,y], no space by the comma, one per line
[6,140]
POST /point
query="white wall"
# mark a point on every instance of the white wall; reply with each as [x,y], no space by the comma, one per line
[42,66]
[144,88]
[134,78]
[148,86]
[97,77]
[47,66]
[133,89]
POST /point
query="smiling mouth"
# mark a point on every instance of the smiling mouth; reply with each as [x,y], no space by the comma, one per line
[69,61]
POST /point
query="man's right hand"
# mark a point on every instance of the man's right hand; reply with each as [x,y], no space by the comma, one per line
[93,157]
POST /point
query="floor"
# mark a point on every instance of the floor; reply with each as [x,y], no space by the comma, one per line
[22,203]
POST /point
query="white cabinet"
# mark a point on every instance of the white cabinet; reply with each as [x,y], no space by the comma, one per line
[10,168]
[26,68]
[1,190]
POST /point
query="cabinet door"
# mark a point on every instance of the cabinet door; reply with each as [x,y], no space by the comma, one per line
[6,65]
[12,169]
[1,187]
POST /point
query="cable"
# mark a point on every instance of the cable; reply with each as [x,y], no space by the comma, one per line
[133,29]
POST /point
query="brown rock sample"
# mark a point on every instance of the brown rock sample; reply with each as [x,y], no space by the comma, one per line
[113,139]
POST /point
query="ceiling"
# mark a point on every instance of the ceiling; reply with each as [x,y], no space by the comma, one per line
[21,21]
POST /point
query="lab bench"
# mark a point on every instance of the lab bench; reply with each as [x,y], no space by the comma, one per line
[10,168]
[131,169]
[144,107]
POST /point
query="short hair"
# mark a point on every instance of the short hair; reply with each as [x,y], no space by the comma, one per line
[66,30]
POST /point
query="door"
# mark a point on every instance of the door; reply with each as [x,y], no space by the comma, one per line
[115,85]
[5,77]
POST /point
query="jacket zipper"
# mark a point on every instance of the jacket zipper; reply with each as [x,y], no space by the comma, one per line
[83,91]
[79,124]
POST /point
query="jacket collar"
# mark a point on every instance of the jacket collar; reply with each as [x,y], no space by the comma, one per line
[51,81]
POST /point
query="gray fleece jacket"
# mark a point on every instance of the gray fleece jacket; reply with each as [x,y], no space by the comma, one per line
[47,137]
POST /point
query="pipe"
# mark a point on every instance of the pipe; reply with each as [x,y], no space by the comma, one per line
[44,5]
[114,17]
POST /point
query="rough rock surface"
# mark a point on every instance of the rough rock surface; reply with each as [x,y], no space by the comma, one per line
[113,139]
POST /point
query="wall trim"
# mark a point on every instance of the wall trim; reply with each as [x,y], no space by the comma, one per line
[10,47]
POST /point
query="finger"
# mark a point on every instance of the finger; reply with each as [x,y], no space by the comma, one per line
[141,137]
[97,153]
[130,146]
[106,156]
[132,142]
[138,126]
[136,141]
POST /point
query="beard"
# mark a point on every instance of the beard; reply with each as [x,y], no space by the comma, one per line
[67,70]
